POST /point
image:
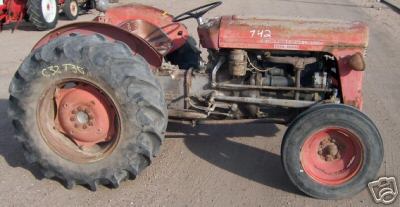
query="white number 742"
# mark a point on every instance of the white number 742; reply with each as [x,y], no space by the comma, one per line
[261,33]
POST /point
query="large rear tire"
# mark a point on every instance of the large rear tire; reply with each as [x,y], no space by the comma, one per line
[332,151]
[77,84]
[43,13]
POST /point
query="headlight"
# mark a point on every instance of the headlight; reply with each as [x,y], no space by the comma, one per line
[356,62]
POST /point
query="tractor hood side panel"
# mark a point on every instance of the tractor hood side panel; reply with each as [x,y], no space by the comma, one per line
[286,34]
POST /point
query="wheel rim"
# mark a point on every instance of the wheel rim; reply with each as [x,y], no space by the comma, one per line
[332,156]
[74,8]
[79,121]
[49,10]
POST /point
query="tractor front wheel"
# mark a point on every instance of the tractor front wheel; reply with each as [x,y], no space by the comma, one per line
[87,110]
[332,151]
[71,9]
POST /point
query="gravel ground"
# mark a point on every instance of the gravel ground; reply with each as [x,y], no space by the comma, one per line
[236,165]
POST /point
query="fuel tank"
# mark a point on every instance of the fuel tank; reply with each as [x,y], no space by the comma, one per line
[282,34]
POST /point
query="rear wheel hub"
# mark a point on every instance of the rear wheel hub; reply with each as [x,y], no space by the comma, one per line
[84,115]
[79,121]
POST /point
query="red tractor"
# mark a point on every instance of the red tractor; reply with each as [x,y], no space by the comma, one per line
[42,13]
[92,101]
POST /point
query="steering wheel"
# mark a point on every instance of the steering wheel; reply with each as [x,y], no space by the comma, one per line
[196,13]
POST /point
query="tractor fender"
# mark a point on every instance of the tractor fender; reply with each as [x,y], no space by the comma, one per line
[128,15]
[133,41]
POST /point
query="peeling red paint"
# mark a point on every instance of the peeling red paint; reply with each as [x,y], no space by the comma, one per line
[176,31]
[283,34]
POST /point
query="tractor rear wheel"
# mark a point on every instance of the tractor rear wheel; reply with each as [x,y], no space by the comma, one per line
[71,9]
[332,151]
[43,13]
[87,110]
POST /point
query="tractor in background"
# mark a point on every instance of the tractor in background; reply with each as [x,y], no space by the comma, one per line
[41,13]
[90,104]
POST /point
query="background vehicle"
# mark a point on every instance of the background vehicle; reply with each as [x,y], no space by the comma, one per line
[91,103]
[42,13]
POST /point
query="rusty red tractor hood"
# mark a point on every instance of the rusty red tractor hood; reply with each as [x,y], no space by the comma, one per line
[283,34]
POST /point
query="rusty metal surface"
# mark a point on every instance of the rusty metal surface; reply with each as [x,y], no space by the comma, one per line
[60,142]
[272,88]
[150,33]
[233,121]
[73,104]
[332,156]
[209,33]
[351,81]
[173,84]
[176,31]
[154,26]
[215,70]
[215,179]
[299,63]
[267,101]
[341,39]
[357,62]
[186,114]
[289,34]
[136,43]
[238,62]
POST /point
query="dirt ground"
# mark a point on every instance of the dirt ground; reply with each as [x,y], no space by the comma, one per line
[235,165]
